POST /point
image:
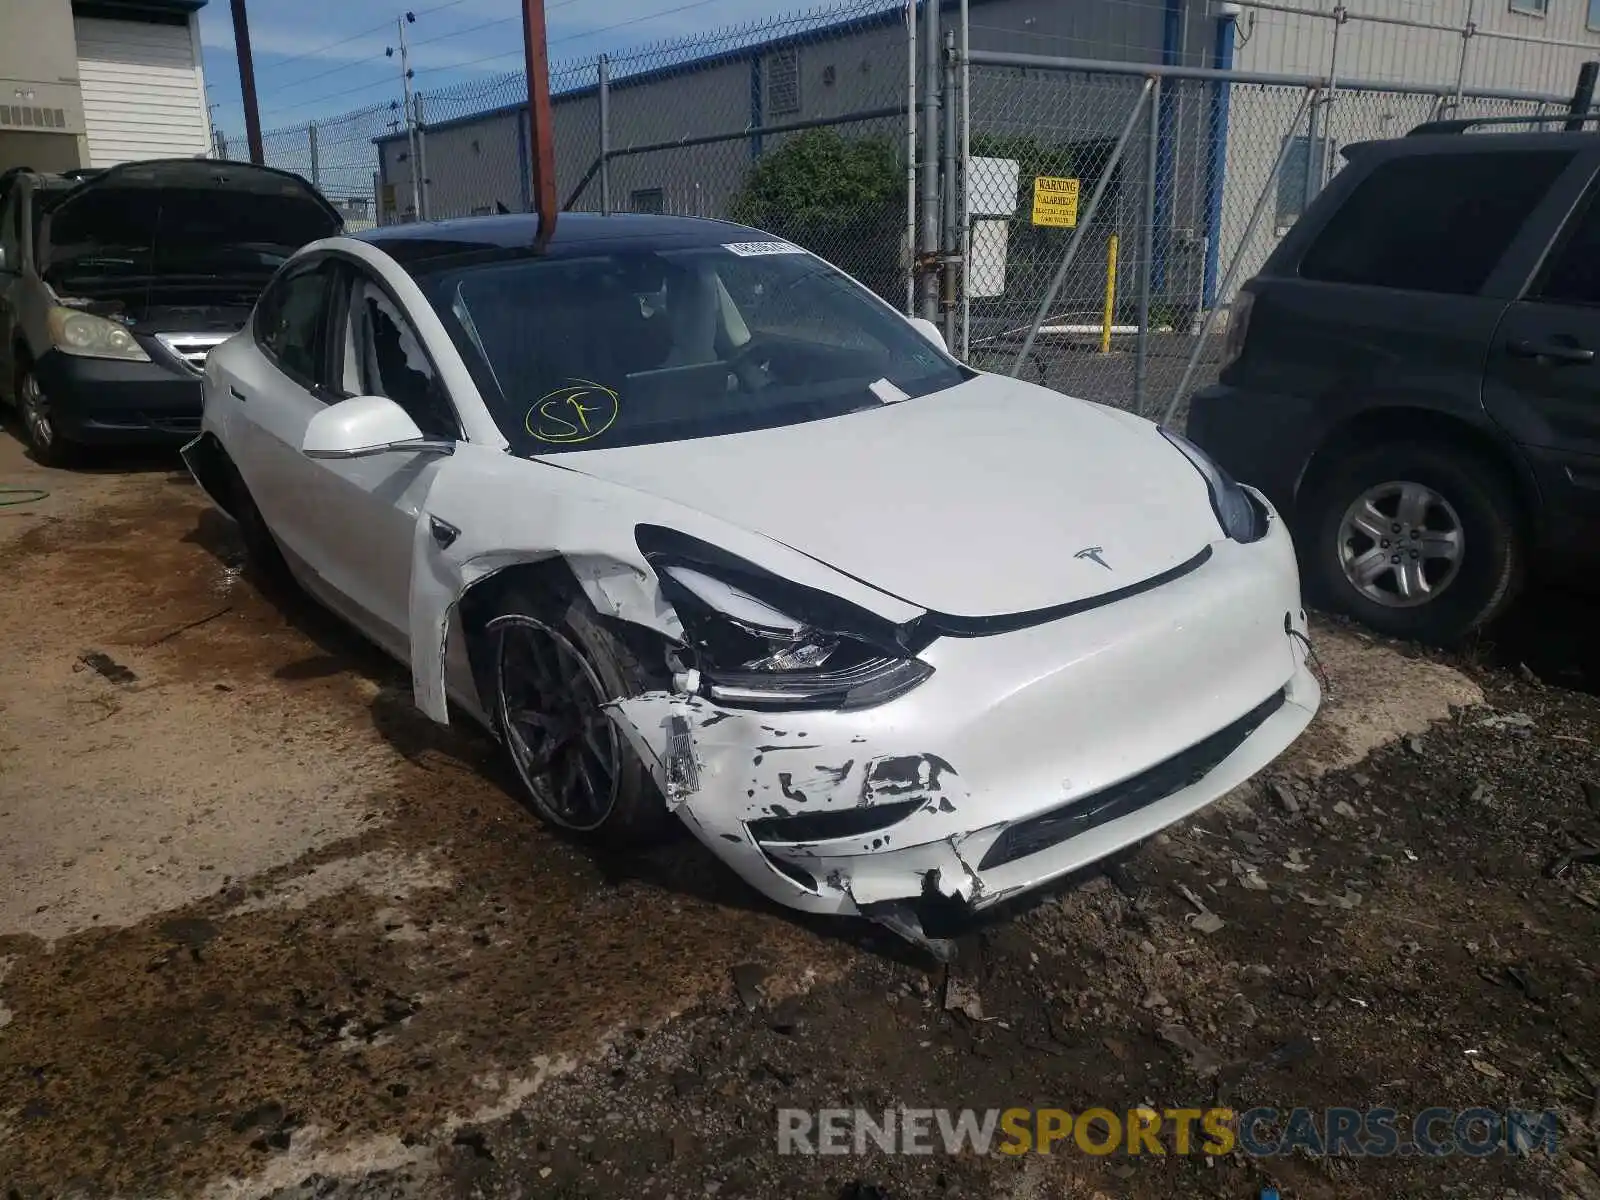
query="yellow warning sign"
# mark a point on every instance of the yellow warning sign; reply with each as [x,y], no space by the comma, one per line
[1055,202]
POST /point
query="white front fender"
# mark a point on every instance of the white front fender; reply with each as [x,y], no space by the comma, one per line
[488,510]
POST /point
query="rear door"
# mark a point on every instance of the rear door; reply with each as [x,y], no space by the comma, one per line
[361,513]
[269,382]
[1394,299]
[1542,381]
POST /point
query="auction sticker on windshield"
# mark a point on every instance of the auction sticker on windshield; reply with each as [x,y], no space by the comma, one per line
[754,249]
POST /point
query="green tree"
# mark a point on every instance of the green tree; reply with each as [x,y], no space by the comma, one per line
[819,176]
[841,198]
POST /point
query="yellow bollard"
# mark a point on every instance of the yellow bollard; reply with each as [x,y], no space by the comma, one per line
[1111,294]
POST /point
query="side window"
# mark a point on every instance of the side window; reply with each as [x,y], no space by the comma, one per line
[291,321]
[1432,222]
[391,362]
[1572,274]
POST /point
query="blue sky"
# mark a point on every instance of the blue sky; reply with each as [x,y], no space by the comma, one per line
[316,58]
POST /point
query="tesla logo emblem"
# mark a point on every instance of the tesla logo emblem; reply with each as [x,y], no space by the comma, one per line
[1092,553]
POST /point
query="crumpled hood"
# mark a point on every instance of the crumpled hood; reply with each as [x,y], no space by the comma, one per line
[983,500]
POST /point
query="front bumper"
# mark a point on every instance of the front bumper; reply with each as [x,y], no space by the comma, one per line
[103,401]
[1024,757]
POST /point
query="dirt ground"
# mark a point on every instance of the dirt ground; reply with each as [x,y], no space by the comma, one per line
[266,931]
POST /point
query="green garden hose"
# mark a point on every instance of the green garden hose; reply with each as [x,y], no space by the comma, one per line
[11,496]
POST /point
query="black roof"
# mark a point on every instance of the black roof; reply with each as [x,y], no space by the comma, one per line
[433,242]
[1426,140]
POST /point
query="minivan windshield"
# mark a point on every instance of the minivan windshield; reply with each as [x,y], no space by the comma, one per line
[627,347]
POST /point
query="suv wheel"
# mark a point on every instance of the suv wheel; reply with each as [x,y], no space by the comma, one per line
[1415,541]
[49,448]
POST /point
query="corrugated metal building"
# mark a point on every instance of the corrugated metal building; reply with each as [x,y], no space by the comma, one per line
[93,83]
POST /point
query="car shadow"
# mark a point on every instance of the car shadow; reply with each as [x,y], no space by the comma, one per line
[103,460]
[1551,631]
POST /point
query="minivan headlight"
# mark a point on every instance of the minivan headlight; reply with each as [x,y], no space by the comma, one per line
[88,336]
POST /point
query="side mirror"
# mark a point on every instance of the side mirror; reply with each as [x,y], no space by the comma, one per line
[930,331]
[363,426]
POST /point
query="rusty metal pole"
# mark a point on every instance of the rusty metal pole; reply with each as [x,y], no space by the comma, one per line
[542,150]
[247,82]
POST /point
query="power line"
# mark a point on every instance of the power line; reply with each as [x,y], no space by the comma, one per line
[666,12]
[345,41]
[437,8]
[331,96]
[549,8]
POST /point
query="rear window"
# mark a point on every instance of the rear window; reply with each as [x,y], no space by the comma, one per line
[1432,222]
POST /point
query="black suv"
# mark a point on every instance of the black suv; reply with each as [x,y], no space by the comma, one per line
[1412,378]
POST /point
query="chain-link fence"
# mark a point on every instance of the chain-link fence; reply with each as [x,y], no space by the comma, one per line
[792,123]
[1114,209]
[1080,189]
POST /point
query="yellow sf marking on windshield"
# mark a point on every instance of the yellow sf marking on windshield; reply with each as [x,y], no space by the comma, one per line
[579,412]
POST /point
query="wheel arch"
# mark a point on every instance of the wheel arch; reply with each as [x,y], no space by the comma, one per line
[1395,424]
[214,471]
[21,356]
[586,579]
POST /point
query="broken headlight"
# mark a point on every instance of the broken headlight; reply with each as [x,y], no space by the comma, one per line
[753,654]
[1238,512]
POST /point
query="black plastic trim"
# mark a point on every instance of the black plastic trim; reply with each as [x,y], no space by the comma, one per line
[932,624]
[838,823]
[1171,775]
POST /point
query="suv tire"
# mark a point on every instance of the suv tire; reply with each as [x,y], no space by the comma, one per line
[1414,541]
[39,433]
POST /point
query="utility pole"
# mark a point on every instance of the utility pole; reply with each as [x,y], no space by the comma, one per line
[411,125]
[1582,96]
[247,82]
[542,153]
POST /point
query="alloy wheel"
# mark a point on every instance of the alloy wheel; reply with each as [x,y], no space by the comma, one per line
[564,747]
[1400,544]
[34,407]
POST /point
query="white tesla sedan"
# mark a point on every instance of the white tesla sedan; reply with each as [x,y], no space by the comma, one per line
[700,527]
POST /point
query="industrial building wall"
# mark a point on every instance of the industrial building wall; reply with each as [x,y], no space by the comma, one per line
[143,92]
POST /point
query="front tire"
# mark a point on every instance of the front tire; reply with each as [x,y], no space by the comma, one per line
[553,667]
[39,432]
[1415,541]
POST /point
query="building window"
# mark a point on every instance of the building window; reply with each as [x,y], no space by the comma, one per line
[1293,195]
[648,200]
[1532,8]
[783,83]
[1593,21]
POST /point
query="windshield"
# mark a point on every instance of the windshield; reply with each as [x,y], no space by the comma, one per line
[633,347]
[99,231]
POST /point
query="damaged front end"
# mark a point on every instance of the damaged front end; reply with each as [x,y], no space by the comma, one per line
[833,806]
[870,834]
[847,752]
